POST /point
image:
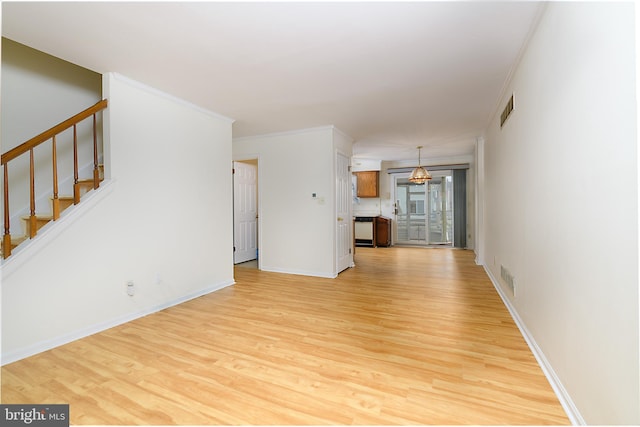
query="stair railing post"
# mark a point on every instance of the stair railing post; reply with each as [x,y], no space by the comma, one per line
[96,172]
[76,186]
[6,238]
[33,222]
[55,200]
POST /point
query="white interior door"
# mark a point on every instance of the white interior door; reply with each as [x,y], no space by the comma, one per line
[344,256]
[245,212]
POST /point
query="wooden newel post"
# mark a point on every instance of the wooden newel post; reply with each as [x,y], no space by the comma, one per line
[6,238]
[76,186]
[96,172]
[33,220]
[55,201]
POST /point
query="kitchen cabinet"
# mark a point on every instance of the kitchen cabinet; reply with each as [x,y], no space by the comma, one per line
[367,183]
[383,231]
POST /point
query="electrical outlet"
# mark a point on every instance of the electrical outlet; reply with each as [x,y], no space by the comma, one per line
[131,290]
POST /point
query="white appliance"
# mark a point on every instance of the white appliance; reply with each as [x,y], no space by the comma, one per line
[363,230]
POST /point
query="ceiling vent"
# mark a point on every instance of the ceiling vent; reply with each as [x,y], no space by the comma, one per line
[507,111]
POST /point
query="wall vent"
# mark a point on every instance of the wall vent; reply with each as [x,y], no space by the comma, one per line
[507,111]
[508,280]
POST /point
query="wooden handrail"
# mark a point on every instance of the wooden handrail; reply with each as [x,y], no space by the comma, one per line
[48,134]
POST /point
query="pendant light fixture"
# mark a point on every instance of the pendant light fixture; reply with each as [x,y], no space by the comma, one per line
[419,174]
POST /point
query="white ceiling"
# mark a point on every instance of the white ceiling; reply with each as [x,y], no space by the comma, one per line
[392,75]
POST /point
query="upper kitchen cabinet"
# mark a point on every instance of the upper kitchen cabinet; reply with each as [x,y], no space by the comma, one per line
[368,183]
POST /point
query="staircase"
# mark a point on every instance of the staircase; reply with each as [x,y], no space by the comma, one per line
[34,221]
[42,220]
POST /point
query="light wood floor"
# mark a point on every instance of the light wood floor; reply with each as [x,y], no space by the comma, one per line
[409,336]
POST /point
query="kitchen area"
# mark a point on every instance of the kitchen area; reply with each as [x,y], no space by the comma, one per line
[371,228]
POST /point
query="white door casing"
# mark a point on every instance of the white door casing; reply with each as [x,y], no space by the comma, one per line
[344,256]
[245,212]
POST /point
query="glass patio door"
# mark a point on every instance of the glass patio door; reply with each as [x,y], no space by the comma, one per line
[411,217]
[440,218]
[424,212]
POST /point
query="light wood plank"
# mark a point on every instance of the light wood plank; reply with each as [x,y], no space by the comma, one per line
[408,336]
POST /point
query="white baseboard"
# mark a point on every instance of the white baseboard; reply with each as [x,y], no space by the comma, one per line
[22,353]
[299,272]
[563,396]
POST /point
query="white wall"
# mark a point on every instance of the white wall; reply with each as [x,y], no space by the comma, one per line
[560,205]
[342,142]
[162,219]
[296,231]
[359,165]
[40,91]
